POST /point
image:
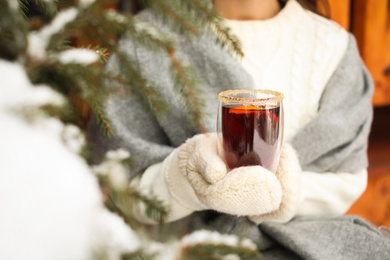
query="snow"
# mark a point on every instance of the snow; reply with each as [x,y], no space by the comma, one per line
[39,40]
[118,237]
[51,205]
[80,56]
[161,251]
[47,197]
[73,138]
[231,257]
[14,5]
[113,167]
[86,3]
[16,89]
[118,155]
[115,16]
[213,237]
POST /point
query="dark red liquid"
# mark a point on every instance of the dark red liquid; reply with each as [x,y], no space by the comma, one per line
[250,135]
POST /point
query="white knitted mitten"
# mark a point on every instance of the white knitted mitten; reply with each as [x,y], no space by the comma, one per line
[289,174]
[243,191]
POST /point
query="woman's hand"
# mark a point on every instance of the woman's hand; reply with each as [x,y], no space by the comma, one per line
[289,175]
[251,191]
[244,191]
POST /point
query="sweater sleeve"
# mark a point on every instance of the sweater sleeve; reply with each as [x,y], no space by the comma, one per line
[336,140]
[154,182]
[136,128]
[332,147]
[330,193]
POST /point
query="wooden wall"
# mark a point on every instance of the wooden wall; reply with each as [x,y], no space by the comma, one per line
[369,21]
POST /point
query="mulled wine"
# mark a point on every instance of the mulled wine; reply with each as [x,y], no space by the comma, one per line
[251,135]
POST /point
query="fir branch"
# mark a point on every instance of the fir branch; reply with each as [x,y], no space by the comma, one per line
[171,14]
[13,31]
[224,37]
[152,38]
[124,201]
[87,81]
[195,12]
[203,16]
[47,72]
[186,84]
[50,6]
[66,77]
[100,51]
[96,25]
[148,35]
[210,251]
[139,255]
[65,113]
[138,85]
[58,43]
[101,118]
[113,205]
[24,7]
[154,208]
[81,81]
[114,199]
[207,244]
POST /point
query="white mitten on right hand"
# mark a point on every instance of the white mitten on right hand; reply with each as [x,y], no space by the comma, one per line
[244,191]
[289,175]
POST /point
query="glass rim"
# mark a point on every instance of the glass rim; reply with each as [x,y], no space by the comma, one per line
[226,98]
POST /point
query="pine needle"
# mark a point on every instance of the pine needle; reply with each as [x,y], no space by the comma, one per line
[101,118]
[24,7]
[139,85]
[155,208]
[208,244]
[148,35]
[172,15]
[102,52]
[224,37]
[186,84]
[139,255]
[211,251]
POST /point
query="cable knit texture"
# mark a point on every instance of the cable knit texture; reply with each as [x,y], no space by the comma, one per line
[298,57]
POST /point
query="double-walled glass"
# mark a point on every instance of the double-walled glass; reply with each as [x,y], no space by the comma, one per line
[250,127]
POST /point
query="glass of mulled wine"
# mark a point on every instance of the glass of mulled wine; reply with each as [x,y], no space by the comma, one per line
[250,127]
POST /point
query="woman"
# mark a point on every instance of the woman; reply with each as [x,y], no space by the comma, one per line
[323,166]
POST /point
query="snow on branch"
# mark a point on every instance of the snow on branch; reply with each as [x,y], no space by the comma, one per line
[80,56]
[38,41]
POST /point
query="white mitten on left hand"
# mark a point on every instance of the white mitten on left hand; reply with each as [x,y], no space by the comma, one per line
[289,175]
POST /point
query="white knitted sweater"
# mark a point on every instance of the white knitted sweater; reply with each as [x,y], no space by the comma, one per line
[295,52]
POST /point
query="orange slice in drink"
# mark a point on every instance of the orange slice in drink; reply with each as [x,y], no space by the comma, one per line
[245,109]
